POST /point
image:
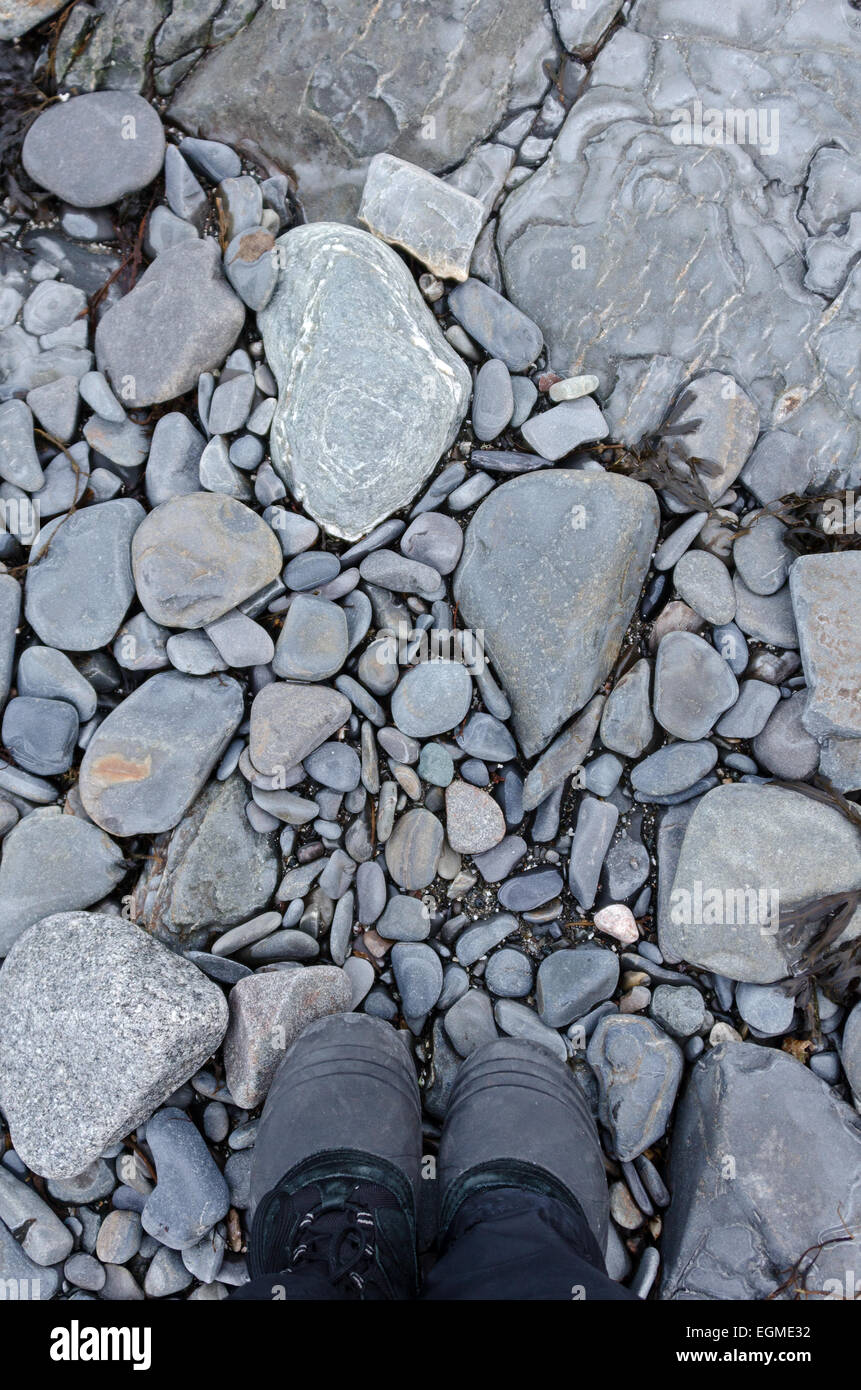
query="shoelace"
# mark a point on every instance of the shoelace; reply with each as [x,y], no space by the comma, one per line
[344,1241]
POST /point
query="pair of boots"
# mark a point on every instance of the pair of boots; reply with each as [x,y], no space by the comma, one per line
[523,1205]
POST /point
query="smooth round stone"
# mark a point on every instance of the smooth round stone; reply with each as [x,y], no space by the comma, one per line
[251,267]
[94,149]
[762,557]
[618,921]
[378,670]
[784,747]
[390,570]
[469,1022]
[196,557]
[530,890]
[141,645]
[674,768]
[474,821]
[493,400]
[404,919]
[495,864]
[602,774]
[295,532]
[40,734]
[749,715]
[52,305]
[214,160]
[370,892]
[335,765]
[46,672]
[572,981]
[398,746]
[311,569]
[433,539]
[119,1237]
[361,975]
[693,686]
[509,974]
[194,654]
[413,849]
[525,394]
[418,975]
[679,1009]
[703,581]
[486,737]
[728,639]
[436,765]
[432,698]
[80,581]
[765,1008]
[474,771]
[313,641]
[521,1021]
[477,940]
[85,1272]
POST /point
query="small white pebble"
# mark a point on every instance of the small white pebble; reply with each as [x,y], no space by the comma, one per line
[573,387]
[617,920]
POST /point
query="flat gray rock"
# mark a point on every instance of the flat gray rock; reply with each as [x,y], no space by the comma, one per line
[99,1023]
[693,686]
[94,149]
[552,568]
[571,981]
[784,747]
[181,319]
[735,1233]
[575,221]
[53,863]
[342,91]
[196,557]
[413,849]
[290,721]
[313,642]
[362,418]
[10,608]
[748,848]
[80,583]
[431,219]
[826,592]
[638,1069]
[213,872]
[432,698]
[626,723]
[151,756]
[267,1014]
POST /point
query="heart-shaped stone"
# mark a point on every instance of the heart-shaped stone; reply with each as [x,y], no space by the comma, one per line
[370,393]
[553,564]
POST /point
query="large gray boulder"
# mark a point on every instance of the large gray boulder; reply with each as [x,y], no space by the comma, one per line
[181,319]
[362,418]
[214,871]
[53,863]
[725,244]
[749,850]
[99,1024]
[763,1170]
[321,91]
[552,567]
[148,760]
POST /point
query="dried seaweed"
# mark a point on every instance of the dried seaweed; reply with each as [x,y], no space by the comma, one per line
[802,515]
[660,460]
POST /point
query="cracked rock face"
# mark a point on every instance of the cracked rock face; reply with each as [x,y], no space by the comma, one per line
[721,249]
[552,567]
[323,88]
[361,418]
[758,1171]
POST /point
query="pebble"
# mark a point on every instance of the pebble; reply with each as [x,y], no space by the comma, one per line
[413,849]
[751,711]
[703,582]
[493,400]
[434,540]
[529,890]
[618,921]
[564,428]
[679,1010]
[41,734]
[626,721]
[19,460]
[783,746]
[404,919]
[693,686]
[436,765]
[673,768]
[573,387]
[288,722]
[572,981]
[419,979]
[181,319]
[509,974]
[80,151]
[429,217]
[190,1194]
[474,821]
[469,1022]
[478,940]
[496,864]
[119,1237]
[596,822]
[501,329]
[767,1009]
[313,641]
[520,1021]
[638,1069]
[432,698]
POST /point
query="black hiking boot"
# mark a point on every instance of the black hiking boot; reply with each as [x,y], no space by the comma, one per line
[335,1178]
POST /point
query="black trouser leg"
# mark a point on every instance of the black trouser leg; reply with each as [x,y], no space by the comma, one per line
[518,1245]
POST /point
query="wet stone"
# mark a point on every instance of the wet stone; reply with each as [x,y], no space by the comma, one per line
[572,981]
[153,753]
[679,1010]
[493,400]
[478,940]
[750,713]
[469,1022]
[418,976]
[638,1069]
[40,734]
[693,686]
